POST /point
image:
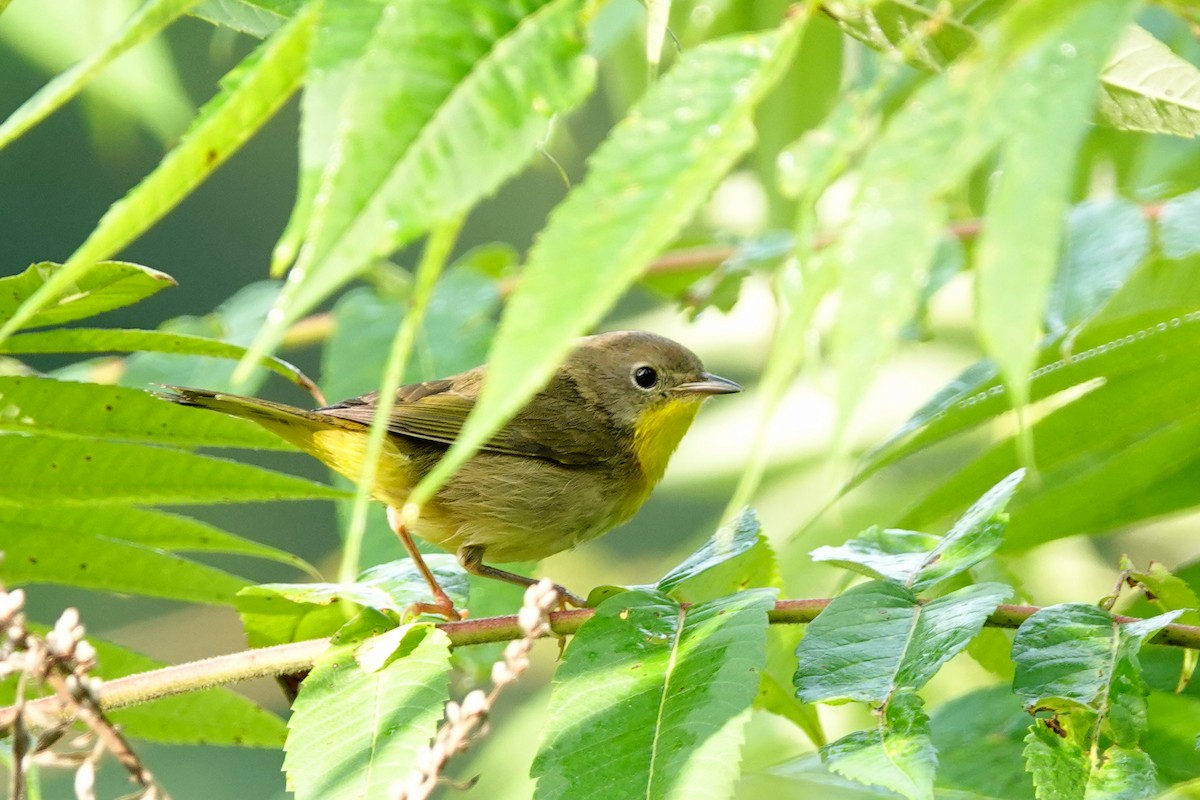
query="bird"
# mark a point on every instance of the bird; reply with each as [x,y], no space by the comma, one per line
[580,458]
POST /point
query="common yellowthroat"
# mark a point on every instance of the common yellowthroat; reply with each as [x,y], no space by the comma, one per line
[580,458]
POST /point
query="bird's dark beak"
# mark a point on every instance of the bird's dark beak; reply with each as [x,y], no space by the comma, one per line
[708,384]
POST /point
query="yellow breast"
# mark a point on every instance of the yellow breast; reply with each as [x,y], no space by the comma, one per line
[658,433]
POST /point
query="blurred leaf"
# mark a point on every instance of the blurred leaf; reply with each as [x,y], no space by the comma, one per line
[897,754]
[150,530]
[436,80]
[106,340]
[664,690]
[454,337]
[1171,738]
[1049,95]
[876,640]
[250,94]
[274,613]
[1179,226]
[644,182]
[258,18]
[919,561]
[235,321]
[928,38]
[1106,241]
[141,85]
[209,716]
[979,739]
[1146,87]
[355,729]
[110,284]
[61,408]
[93,471]
[40,547]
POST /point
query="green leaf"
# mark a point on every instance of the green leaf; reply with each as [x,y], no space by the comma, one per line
[897,754]
[74,472]
[1146,87]
[435,81]
[208,716]
[105,340]
[644,182]
[356,730]
[274,613]
[1171,738]
[149,529]
[249,96]
[979,738]
[664,691]
[1078,654]
[877,639]
[36,551]
[148,20]
[1123,774]
[919,561]
[1106,241]
[928,38]
[258,18]
[1179,228]
[109,58]
[1059,766]
[110,284]
[62,408]
[737,556]
[1049,95]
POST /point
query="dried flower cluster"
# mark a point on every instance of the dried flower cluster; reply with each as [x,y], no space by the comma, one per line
[61,661]
[468,719]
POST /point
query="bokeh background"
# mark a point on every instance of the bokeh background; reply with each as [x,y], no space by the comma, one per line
[58,180]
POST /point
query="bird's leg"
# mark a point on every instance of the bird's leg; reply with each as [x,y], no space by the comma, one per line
[442,605]
[471,558]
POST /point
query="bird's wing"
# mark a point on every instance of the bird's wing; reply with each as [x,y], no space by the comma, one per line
[559,430]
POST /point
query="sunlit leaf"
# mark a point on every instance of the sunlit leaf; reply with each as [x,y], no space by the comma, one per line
[355,731]
[110,284]
[249,96]
[665,691]
[898,753]
[258,18]
[1146,87]
[644,182]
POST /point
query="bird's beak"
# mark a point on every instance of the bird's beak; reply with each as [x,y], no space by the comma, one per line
[708,384]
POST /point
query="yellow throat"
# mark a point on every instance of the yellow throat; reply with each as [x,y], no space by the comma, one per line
[657,434]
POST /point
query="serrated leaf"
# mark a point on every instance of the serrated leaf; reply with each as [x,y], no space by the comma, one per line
[273,613]
[736,538]
[36,552]
[1146,87]
[919,561]
[250,95]
[436,80]
[644,182]
[665,691]
[107,340]
[209,716]
[91,471]
[258,18]
[62,408]
[897,754]
[1123,774]
[1059,766]
[1077,653]
[147,528]
[353,732]
[877,639]
[109,285]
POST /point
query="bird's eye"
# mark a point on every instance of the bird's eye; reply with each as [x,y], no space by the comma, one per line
[645,377]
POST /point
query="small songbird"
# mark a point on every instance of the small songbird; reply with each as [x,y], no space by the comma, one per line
[579,459]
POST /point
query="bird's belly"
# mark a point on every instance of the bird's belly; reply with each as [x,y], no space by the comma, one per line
[524,509]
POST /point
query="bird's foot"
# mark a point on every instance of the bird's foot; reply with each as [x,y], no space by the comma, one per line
[441,606]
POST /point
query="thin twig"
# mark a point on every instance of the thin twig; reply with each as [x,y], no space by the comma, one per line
[287,658]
